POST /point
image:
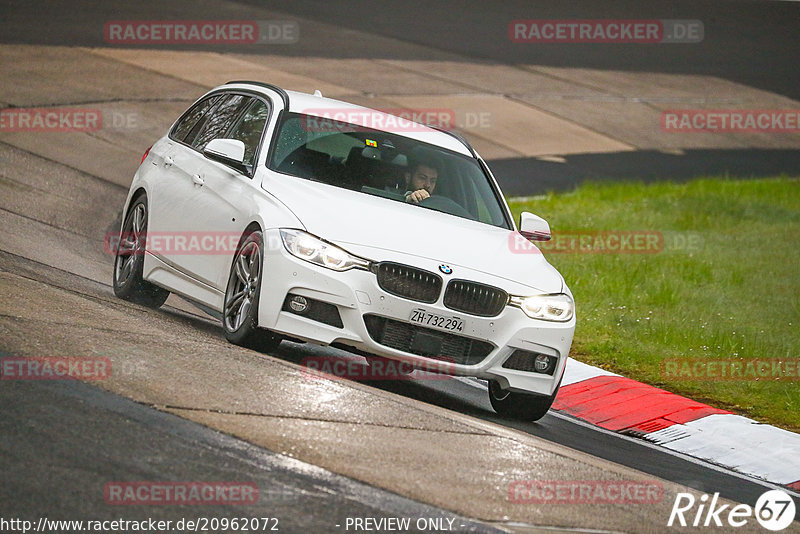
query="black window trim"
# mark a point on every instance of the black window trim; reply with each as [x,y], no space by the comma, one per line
[207,96]
[498,195]
[242,92]
[283,94]
[490,177]
[238,121]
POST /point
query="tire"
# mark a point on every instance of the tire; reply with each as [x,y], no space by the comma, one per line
[522,406]
[129,260]
[240,311]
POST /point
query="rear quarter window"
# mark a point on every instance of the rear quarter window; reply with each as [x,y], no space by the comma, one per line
[193,117]
[219,120]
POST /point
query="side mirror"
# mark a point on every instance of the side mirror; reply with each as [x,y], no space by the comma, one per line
[533,227]
[227,151]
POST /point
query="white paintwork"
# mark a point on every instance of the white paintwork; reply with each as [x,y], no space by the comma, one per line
[188,192]
[232,149]
[339,215]
[313,105]
[511,329]
[534,227]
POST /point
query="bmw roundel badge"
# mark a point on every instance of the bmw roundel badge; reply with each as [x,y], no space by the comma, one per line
[446,269]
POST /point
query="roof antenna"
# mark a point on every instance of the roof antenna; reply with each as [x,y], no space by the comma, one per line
[318,93]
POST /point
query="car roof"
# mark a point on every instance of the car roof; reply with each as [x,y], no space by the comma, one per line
[362,116]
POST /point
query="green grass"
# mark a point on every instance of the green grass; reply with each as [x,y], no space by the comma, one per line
[734,295]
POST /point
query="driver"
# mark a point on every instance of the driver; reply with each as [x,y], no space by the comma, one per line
[421,180]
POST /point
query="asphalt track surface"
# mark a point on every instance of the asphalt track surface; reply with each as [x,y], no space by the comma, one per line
[751,45]
[61,442]
[749,42]
[74,435]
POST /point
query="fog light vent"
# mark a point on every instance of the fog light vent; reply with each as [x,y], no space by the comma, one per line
[531,362]
[316,310]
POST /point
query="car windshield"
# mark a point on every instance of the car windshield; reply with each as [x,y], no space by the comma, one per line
[386,165]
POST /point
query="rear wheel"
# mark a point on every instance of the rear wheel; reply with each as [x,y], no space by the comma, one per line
[129,261]
[523,406]
[240,312]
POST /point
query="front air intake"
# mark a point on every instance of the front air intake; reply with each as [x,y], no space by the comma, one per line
[409,282]
[475,298]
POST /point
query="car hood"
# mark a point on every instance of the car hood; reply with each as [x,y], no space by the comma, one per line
[381,229]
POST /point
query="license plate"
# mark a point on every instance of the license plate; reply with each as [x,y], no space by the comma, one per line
[434,320]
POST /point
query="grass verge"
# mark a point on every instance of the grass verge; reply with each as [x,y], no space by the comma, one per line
[716,277]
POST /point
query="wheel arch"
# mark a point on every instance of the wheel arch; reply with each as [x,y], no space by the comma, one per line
[252,226]
[133,196]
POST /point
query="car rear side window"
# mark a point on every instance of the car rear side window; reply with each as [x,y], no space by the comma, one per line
[219,120]
[192,120]
[249,129]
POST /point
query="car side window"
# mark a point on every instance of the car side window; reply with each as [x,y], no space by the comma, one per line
[219,120]
[193,119]
[249,129]
[292,136]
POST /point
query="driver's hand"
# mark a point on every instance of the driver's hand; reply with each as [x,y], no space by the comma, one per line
[418,196]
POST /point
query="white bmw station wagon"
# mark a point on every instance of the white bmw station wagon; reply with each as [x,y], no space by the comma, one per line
[300,217]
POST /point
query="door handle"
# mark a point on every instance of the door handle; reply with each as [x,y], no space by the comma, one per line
[168,161]
[198,180]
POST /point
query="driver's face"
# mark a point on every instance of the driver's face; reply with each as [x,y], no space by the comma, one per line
[424,177]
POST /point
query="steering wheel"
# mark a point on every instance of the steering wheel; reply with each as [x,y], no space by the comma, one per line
[446,205]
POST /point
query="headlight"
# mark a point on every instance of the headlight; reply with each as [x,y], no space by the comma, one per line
[312,249]
[558,307]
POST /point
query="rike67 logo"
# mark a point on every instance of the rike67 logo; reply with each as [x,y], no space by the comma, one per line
[774,510]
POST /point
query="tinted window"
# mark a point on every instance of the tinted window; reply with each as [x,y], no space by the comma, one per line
[219,120]
[384,164]
[250,128]
[193,118]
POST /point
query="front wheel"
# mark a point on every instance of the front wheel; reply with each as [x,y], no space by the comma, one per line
[240,313]
[129,260]
[523,406]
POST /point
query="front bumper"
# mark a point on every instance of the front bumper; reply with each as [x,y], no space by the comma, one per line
[356,295]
